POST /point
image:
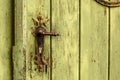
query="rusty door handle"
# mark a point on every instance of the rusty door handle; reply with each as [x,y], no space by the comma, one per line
[39,32]
[108,3]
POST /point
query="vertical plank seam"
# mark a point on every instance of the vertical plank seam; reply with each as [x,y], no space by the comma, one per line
[50,40]
[79,66]
[13,21]
[13,48]
[109,45]
[13,39]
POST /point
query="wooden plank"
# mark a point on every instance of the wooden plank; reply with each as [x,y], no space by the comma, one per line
[19,54]
[42,7]
[6,26]
[94,41]
[115,43]
[65,48]
[24,67]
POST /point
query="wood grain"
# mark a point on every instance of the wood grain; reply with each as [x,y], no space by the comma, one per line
[65,48]
[19,54]
[94,41]
[115,43]
[42,7]
[87,48]
[6,26]
[24,49]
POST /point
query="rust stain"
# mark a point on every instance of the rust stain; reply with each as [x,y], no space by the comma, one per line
[31,56]
[24,67]
[105,11]
[39,32]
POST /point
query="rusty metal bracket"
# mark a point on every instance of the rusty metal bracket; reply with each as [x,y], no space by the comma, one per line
[108,3]
[39,32]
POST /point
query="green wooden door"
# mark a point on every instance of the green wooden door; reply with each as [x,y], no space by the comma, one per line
[87,48]
[64,49]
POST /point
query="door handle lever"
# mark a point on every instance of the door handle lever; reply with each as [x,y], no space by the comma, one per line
[39,32]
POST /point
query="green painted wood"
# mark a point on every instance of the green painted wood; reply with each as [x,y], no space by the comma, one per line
[94,41]
[65,48]
[114,43]
[6,26]
[91,38]
[24,49]
[19,54]
[34,7]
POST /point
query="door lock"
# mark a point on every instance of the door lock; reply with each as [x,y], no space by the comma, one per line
[39,32]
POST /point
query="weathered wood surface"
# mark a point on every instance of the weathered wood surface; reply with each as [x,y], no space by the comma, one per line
[94,41]
[24,49]
[24,42]
[42,7]
[114,43]
[6,26]
[19,50]
[65,48]
[87,48]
